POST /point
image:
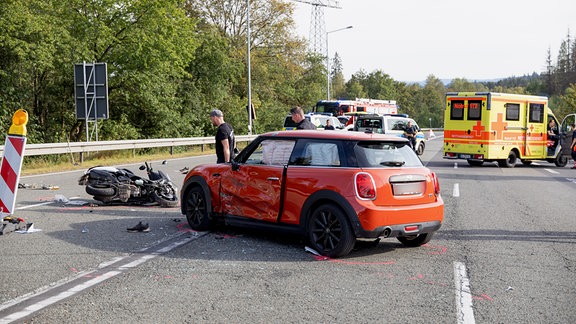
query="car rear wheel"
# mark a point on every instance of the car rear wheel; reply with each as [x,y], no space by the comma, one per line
[197,210]
[415,240]
[329,231]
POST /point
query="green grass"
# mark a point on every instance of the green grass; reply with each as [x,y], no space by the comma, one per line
[55,163]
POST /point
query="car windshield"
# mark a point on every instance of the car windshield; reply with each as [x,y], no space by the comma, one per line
[386,154]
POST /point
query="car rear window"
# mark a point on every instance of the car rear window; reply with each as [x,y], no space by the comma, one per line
[385,154]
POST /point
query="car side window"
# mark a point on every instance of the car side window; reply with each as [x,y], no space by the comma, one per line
[276,152]
[319,154]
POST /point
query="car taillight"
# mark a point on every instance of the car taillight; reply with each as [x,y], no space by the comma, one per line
[365,186]
[436,184]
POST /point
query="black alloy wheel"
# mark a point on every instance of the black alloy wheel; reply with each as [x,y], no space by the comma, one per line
[329,231]
[197,210]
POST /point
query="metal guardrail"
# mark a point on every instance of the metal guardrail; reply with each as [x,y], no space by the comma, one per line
[85,147]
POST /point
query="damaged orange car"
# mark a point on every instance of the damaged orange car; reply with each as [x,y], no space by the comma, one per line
[332,187]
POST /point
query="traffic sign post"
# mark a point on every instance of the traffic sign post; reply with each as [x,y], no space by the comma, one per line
[10,171]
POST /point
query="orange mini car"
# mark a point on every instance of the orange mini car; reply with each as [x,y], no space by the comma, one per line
[332,187]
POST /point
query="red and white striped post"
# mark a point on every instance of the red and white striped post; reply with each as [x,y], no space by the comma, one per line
[12,162]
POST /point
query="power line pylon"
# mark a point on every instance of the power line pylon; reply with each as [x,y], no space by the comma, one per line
[317,25]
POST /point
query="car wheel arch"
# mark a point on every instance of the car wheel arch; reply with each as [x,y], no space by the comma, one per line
[327,196]
[195,181]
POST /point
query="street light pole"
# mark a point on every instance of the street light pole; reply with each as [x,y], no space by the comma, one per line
[328,61]
[249,106]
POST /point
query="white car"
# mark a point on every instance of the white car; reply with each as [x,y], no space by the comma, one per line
[318,120]
[389,124]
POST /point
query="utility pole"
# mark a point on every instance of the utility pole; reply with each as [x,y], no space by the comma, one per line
[317,25]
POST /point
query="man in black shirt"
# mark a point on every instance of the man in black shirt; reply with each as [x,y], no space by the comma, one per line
[410,133]
[301,121]
[329,125]
[225,141]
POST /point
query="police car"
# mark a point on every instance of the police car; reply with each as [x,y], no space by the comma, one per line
[389,124]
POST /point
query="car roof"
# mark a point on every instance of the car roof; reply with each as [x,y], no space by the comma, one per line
[342,135]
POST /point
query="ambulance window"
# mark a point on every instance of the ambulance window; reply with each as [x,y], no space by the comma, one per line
[457,110]
[474,109]
[536,113]
[512,111]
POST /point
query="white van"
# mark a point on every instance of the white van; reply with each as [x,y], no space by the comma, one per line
[389,124]
[318,120]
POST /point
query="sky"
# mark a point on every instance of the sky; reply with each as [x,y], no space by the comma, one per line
[476,40]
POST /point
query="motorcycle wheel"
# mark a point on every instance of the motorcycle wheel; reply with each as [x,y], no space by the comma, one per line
[166,197]
[100,191]
[104,199]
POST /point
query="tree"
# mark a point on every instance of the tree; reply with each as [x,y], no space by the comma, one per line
[337,84]
[567,102]
[459,85]
[146,45]
[431,103]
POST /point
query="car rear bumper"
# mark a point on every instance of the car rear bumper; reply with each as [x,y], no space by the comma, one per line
[399,221]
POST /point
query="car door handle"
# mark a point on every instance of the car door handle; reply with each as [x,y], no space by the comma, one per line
[273,179]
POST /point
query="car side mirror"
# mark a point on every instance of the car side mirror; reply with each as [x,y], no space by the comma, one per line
[235,165]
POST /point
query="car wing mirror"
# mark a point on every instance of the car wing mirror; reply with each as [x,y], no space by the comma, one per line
[235,165]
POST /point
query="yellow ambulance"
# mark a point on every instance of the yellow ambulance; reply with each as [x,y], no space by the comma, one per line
[506,128]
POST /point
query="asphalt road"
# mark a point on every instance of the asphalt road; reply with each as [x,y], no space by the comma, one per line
[505,254]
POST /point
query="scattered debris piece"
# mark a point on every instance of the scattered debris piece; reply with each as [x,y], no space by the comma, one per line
[61,198]
[29,229]
[509,288]
[10,224]
[311,250]
[140,227]
[37,186]
[85,229]
[184,170]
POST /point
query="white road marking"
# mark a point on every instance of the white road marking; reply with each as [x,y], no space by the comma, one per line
[464,310]
[552,171]
[37,301]
[456,190]
[455,165]
[42,204]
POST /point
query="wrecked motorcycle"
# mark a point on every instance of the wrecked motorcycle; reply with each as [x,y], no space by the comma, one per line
[110,184]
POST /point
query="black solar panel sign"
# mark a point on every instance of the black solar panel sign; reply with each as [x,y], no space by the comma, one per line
[91,91]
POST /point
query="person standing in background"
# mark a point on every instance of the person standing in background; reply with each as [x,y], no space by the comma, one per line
[329,125]
[225,142]
[573,145]
[410,133]
[301,121]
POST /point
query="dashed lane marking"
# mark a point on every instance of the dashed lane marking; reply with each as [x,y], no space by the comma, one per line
[27,305]
[456,190]
[464,310]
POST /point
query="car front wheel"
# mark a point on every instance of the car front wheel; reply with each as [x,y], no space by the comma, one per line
[420,149]
[197,210]
[329,231]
